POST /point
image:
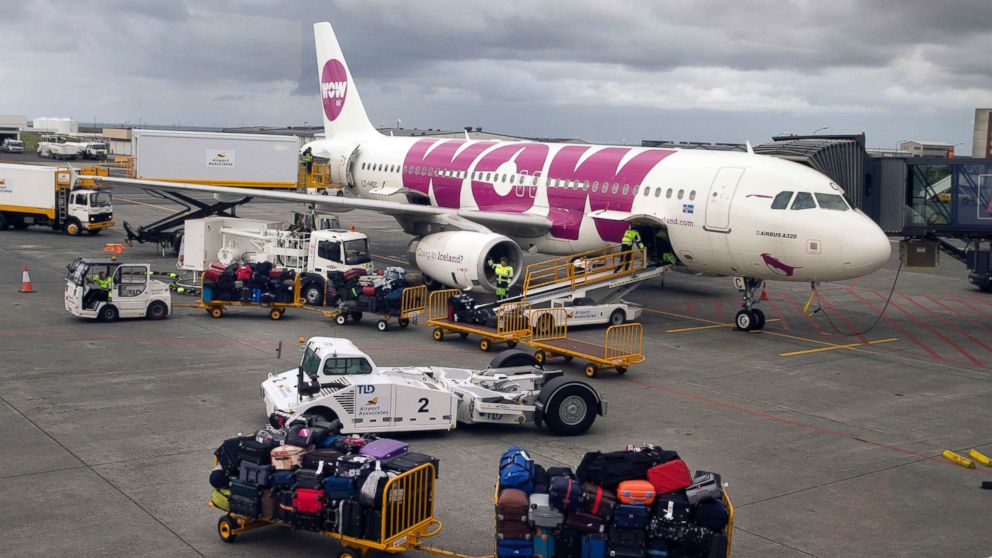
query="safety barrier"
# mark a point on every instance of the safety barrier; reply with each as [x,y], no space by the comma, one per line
[624,342]
[584,268]
[407,505]
[437,304]
[549,323]
[413,302]
[319,176]
[512,319]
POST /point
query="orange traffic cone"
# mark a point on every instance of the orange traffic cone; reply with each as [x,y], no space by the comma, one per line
[764,293]
[26,281]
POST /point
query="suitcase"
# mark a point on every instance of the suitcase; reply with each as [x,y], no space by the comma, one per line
[255,475]
[568,543]
[670,476]
[585,523]
[227,455]
[304,436]
[353,274]
[355,466]
[516,470]
[284,506]
[308,478]
[350,519]
[283,479]
[410,461]
[339,488]
[561,472]
[254,451]
[239,488]
[271,436]
[329,441]
[287,457]
[565,494]
[636,492]
[718,546]
[544,543]
[307,522]
[541,479]
[248,507]
[323,460]
[673,507]
[220,498]
[332,509]
[350,444]
[511,515]
[610,469]
[593,546]
[308,500]
[513,547]
[632,516]
[659,548]
[219,479]
[370,494]
[626,543]
[384,448]
[368,290]
[598,501]
[704,487]
[373,525]
[541,514]
[268,504]
[712,514]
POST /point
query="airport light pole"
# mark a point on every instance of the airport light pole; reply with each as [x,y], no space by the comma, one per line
[820,129]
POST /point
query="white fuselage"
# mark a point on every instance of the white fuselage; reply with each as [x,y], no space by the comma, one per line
[716,206]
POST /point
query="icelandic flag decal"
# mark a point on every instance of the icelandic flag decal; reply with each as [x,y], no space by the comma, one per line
[688,208]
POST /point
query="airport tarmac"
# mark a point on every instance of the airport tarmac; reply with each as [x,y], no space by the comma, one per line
[830,443]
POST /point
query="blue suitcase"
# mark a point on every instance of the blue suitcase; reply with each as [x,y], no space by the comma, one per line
[632,516]
[514,547]
[544,543]
[593,546]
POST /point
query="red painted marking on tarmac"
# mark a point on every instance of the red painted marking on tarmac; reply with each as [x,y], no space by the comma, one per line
[719,308]
[835,311]
[970,306]
[779,313]
[920,322]
[946,321]
[901,329]
[980,300]
[793,422]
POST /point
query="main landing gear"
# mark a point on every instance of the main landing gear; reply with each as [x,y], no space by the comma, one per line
[750,318]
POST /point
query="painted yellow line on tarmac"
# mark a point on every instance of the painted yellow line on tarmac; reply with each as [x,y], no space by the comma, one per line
[163,208]
[712,326]
[389,259]
[835,347]
[702,320]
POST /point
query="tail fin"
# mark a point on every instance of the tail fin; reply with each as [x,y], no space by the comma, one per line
[344,114]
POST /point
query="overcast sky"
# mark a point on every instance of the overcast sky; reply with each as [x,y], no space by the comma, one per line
[603,71]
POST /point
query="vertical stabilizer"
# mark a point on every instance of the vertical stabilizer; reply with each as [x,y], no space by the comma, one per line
[344,114]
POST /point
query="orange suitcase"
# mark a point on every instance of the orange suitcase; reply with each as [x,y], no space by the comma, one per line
[636,492]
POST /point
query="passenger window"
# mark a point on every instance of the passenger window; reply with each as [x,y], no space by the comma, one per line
[681,193]
[804,200]
[535,179]
[832,201]
[616,187]
[637,189]
[692,195]
[647,191]
[668,194]
[657,192]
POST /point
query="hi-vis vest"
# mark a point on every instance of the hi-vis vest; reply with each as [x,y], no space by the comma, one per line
[103,283]
[504,274]
[631,237]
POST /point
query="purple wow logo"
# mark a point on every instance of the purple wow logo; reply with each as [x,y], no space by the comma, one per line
[333,88]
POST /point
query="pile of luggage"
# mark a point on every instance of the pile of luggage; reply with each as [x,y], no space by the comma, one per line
[379,291]
[632,503]
[462,308]
[261,283]
[303,475]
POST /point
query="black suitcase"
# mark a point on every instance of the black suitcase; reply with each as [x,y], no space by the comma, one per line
[541,480]
[307,522]
[373,525]
[253,451]
[245,490]
[248,507]
[308,478]
[284,505]
[672,507]
[329,457]
[410,461]
[350,519]
[568,543]
[561,472]
[227,455]
[626,543]
[718,548]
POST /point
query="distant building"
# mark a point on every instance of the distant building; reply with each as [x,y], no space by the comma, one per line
[11,126]
[56,125]
[927,148]
[981,145]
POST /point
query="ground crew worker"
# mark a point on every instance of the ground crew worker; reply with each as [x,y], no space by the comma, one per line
[307,159]
[101,290]
[631,239]
[504,276]
[664,247]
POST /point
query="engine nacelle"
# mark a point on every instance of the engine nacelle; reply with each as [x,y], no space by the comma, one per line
[459,258]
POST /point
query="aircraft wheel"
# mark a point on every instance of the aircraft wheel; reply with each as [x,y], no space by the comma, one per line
[745,320]
[759,319]
[382,325]
[438,334]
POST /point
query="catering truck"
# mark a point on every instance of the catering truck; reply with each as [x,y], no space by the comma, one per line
[216,158]
[52,197]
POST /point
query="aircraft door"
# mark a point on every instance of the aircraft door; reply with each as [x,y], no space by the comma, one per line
[720,199]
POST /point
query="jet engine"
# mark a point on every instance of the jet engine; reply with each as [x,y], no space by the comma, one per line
[460,258]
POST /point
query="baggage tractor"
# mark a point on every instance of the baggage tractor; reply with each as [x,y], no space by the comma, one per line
[593,546]
[512,547]
[541,514]
[598,501]
[636,492]
[511,515]
[384,448]
[670,476]
[565,494]
[632,516]
[626,543]
[307,522]
[410,461]
[308,500]
[544,543]
[585,523]
[350,519]
[339,488]
[255,475]
[287,457]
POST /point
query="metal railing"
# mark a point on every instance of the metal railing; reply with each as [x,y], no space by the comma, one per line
[437,304]
[624,342]
[413,302]
[584,268]
[512,319]
[407,505]
[318,177]
[549,323]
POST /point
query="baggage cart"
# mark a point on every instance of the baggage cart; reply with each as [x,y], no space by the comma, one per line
[407,519]
[217,308]
[623,345]
[512,325]
[413,303]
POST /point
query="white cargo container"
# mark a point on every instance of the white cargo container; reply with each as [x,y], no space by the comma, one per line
[244,160]
[43,195]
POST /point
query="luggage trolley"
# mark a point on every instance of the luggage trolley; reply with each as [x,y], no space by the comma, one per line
[407,519]
[623,344]
[216,308]
[412,306]
[512,324]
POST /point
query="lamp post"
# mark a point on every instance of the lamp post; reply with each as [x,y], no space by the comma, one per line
[820,129]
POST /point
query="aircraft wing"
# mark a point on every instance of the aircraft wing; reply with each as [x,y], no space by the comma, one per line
[514,224]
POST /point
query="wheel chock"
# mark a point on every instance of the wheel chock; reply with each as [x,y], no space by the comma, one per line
[980,457]
[959,459]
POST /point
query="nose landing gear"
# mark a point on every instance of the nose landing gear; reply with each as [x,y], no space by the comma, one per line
[750,318]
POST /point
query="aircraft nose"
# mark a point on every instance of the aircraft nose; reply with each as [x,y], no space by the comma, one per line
[865,248]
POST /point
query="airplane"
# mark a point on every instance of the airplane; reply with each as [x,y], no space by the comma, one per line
[467,202]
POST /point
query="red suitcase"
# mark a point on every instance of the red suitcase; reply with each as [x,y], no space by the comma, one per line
[309,500]
[636,492]
[670,476]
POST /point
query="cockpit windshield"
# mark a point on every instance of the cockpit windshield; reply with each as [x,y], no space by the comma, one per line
[832,201]
[804,200]
[781,200]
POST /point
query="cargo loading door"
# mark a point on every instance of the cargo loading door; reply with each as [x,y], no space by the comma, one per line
[720,198]
[344,167]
